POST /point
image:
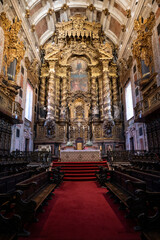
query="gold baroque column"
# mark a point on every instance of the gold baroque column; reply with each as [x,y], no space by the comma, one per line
[115,98]
[100,88]
[113,74]
[57,96]
[42,91]
[51,93]
[63,98]
[106,93]
[94,96]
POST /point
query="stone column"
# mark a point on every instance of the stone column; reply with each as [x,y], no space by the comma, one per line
[106,93]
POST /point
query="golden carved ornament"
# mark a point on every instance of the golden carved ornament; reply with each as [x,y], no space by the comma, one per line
[128,11]
[123,27]
[142,46]
[50,11]
[32,70]
[33,28]
[106,12]
[64,7]
[91,7]
[27,13]
[13,48]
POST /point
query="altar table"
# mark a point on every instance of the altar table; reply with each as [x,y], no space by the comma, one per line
[80,155]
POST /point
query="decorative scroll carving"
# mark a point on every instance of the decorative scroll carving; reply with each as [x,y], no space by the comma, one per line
[32,70]
[142,46]
[13,49]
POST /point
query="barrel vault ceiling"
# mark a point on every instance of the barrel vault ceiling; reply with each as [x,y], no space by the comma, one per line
[112,14]
[116,16]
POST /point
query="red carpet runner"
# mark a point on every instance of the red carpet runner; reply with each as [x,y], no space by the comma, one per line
[79,171]
[82,211]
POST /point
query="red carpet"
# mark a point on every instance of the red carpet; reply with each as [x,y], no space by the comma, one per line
[82,211]
[79,171]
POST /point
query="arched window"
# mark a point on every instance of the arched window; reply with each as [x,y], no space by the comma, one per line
[129,101]
[29,102]
[11,72]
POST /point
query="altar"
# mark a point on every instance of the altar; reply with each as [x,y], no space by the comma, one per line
[90,155]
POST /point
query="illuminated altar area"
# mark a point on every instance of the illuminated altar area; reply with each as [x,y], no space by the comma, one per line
[79,90]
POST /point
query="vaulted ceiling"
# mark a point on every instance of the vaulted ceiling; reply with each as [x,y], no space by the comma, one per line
[112,14]
[116,17]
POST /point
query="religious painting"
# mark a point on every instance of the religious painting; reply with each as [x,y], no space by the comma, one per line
[79,76]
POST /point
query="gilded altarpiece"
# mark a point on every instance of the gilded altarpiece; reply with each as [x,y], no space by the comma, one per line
[79,95]
[11,53]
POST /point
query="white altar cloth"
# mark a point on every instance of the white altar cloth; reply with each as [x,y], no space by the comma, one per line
[88,155]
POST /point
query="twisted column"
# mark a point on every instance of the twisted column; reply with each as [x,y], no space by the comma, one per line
[57,97]
[63,107]
[64,91]
[106,95]
[93,92]
[42,91]
[100,88]
[115,98]
[51,96]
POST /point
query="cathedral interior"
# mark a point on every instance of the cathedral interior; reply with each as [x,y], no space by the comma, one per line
[80,83]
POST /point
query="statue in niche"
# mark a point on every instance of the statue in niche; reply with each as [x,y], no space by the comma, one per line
[50,127]
[96,110]
[116,112]
[63,111]
[107,128]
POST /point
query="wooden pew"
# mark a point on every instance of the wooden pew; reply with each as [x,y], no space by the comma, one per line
[8,183]
[102,175]
[31,194]
[124,187]
[152,181]
[149,219]
[9,227]
[150,235]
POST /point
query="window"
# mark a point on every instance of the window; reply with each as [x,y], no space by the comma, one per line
[22,70]
[20,93]
[140,131]
[134,69]
[158,29]
[137,91]
[129,101]
[29,101]
[17,133]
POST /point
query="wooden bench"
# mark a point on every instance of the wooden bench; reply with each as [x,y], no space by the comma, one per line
[152,181]
[32,193]
[8,183]
[150,235]
[124,187]
[9,227]
[102,175]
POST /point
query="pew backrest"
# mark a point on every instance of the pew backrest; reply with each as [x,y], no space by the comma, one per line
[8,183]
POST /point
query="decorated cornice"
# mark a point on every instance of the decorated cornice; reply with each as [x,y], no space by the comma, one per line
[78,26]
